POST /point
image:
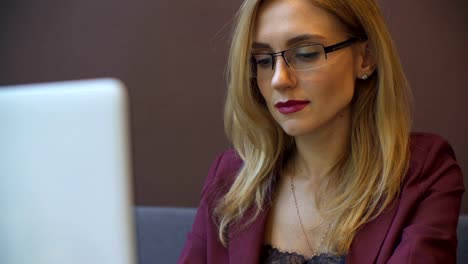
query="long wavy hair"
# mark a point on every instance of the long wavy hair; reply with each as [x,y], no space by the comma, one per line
[372,169]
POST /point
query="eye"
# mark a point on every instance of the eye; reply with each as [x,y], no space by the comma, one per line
[263,61]
[307,55]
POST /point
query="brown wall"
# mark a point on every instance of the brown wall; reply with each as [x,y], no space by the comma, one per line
[431,36]
[172,57]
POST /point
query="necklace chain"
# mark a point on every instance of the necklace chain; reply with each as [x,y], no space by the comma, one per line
[314,253]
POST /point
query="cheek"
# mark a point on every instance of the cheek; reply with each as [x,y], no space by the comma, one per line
[332,87]
[265,91]
[262,89]
[341,85]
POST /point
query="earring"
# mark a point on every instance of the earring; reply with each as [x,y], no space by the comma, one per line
[364,76]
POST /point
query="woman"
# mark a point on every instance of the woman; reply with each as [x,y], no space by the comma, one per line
[324,168]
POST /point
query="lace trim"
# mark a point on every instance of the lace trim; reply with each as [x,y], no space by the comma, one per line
[272,255]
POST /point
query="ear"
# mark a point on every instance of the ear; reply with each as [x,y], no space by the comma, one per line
[365,60]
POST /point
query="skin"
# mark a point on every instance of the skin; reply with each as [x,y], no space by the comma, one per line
[321,129]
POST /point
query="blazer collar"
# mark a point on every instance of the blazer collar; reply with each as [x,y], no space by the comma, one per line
[245,244]
[368,241]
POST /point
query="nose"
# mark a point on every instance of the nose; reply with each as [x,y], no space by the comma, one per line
[283,76]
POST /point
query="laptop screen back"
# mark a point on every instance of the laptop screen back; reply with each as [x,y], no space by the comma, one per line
[65,192]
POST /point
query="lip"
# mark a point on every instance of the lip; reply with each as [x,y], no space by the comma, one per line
[291,106]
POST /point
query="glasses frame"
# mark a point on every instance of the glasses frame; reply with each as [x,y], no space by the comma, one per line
[327,49]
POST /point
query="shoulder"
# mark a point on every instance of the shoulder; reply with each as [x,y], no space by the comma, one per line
[431,157]
[222,174]
[229,163]
[422,144]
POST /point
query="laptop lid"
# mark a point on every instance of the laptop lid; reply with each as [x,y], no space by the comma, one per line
[65,193]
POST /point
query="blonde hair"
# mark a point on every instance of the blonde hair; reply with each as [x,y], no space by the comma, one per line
[371,171]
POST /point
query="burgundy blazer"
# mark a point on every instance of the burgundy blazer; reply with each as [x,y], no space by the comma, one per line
[419,226]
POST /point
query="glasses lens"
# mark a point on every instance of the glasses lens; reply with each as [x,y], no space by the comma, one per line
[300,59]
[306,57]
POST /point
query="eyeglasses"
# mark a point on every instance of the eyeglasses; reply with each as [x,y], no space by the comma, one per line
[300,58]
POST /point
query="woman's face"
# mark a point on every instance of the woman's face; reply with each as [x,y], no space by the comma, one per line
[310,101]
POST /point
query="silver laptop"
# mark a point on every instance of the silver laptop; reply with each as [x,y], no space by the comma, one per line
[65,193]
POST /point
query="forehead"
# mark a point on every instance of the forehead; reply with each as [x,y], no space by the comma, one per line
[278,21]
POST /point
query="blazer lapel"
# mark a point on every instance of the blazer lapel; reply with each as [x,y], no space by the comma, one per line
[245,244]
[368,241]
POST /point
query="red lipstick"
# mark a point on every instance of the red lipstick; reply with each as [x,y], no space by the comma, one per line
[291,106]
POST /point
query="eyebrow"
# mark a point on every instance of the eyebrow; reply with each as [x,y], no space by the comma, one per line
[290,42]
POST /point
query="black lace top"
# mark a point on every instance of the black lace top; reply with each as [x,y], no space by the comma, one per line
[271,255]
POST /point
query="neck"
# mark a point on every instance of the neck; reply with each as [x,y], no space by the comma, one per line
[318,152]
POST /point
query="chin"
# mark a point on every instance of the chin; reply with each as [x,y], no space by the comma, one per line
[295,130]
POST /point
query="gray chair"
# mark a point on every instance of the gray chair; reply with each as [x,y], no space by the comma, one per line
[162,231]
[462,256]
